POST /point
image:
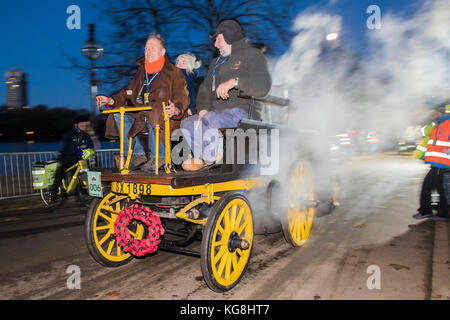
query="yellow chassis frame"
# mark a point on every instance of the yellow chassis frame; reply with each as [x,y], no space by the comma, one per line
[205,191]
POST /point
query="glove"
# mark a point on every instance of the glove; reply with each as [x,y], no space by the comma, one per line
[87,153]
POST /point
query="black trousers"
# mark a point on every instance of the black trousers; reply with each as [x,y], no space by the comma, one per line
[59,175]
[433,180]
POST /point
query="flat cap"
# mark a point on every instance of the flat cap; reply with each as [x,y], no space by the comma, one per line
[231,30]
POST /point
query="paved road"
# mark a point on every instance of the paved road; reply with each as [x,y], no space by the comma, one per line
[370,234]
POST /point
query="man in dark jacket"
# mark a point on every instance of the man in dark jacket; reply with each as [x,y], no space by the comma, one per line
[77,144]
[156,81]
[240,70]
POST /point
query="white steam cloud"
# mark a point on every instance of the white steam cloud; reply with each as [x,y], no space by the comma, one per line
[407,70]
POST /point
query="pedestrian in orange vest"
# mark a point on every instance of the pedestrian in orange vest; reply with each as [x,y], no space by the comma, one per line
[438,156]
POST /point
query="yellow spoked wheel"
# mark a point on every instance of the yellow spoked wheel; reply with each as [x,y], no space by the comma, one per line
[227,242]
[300,197]
[99,231]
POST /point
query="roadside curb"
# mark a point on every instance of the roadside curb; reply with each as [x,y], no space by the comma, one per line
[400,154]
[32,202]
[440,282]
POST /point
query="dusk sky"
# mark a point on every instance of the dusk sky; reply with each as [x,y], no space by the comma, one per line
[34,35]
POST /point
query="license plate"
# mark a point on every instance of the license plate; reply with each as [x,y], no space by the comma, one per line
[95,184]
[131,188]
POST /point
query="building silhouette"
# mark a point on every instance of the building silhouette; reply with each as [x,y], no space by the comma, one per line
[16,88]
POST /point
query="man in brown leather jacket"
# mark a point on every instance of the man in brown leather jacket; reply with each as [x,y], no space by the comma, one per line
[156,81]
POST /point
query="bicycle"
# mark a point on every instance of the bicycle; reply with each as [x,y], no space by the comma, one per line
[74,182]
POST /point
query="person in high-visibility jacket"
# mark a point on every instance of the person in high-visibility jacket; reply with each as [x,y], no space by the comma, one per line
[438,156]
[436,112]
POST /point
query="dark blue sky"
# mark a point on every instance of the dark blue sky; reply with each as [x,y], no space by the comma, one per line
[34,33]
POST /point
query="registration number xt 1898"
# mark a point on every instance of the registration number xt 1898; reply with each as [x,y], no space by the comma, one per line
[128,187]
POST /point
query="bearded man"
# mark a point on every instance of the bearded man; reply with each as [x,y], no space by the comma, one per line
[240,70]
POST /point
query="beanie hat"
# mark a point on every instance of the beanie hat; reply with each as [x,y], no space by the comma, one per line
[231,30]
[81,118]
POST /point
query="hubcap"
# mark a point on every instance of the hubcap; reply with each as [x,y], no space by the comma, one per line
[235,242]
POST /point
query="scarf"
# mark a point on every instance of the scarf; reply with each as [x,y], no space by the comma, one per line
[155,66]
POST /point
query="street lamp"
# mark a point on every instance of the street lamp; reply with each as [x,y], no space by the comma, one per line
[92,50]
[332,40]
[332,36]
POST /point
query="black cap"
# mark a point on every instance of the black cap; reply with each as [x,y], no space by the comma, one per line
[231,30]
[81,118]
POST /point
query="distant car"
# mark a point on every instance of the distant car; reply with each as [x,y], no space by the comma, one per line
[410,138]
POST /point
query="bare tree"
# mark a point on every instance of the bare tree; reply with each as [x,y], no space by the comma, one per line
[263,21]
[187,26]
[130,22]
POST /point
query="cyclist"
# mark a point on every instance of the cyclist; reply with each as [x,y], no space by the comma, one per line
[77,144]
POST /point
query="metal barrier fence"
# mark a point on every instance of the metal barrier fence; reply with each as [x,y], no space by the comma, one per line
[15,170]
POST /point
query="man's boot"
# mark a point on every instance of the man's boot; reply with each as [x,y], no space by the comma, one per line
[150,165]
[137,161]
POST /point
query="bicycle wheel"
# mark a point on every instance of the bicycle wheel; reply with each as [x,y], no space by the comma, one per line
[46,196]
